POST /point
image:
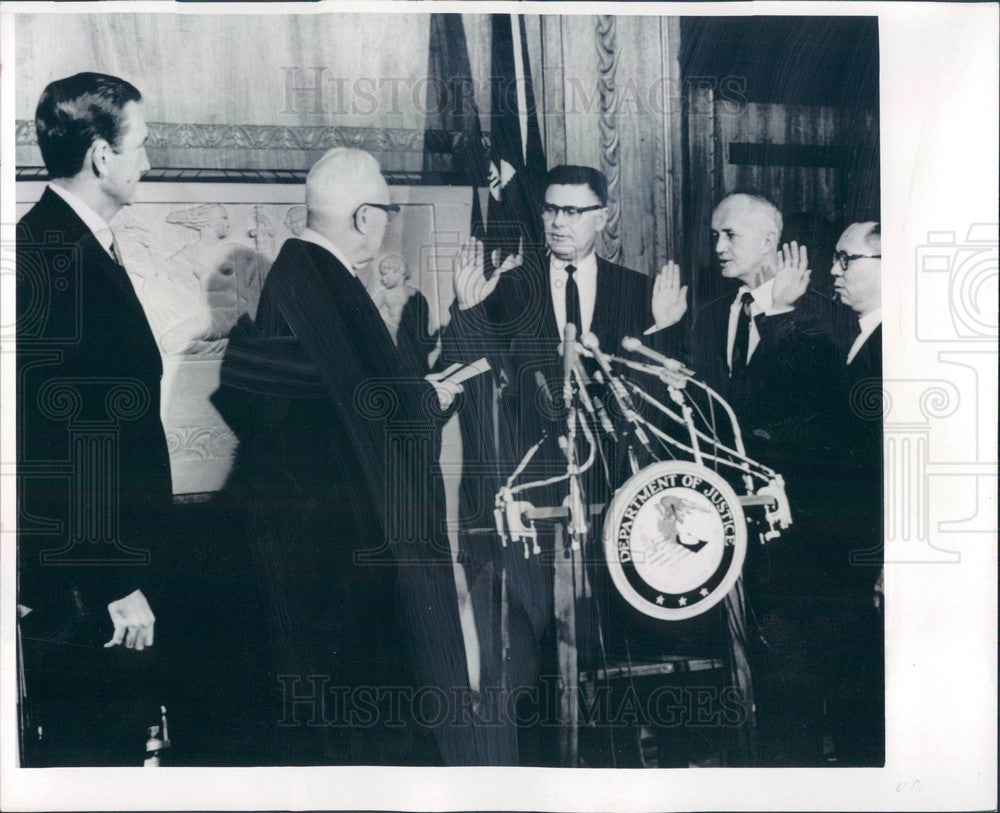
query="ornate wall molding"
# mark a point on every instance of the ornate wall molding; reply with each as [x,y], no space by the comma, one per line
[258,141]
[280,137]
[258,176]
[610,160]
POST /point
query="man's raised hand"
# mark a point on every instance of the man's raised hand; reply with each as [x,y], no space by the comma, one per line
[791,277]
[669,296]
[470,284]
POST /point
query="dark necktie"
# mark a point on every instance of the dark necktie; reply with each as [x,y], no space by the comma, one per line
[741,345]
[572,299]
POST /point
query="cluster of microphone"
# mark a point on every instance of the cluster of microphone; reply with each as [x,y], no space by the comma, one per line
[669,370]
[576,382]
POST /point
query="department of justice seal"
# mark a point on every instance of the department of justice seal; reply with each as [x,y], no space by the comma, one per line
[675,538]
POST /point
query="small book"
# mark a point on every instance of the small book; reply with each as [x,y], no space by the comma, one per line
[457,373]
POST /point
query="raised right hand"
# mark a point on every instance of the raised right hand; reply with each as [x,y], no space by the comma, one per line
[470,284]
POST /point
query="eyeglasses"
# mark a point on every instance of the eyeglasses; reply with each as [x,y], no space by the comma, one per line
[571,213]
[390,209]
[846,259]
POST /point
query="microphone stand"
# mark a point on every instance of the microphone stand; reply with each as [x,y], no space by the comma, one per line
[622,398]
[577,514]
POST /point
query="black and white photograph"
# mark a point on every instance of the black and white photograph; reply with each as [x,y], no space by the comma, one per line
[391,388]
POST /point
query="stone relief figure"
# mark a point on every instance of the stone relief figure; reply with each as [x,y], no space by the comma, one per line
[394,292]
[295,219]
[229,275]
[405,311]
[262,233]
[171,299]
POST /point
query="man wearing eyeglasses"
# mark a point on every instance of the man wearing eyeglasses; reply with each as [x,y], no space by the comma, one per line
[337,470]
[519,315]
[527,303]
[857,273]
[857,702]
[771,347]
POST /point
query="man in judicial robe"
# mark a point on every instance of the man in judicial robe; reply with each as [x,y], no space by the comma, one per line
[362,660]
[517,318]
[93,469]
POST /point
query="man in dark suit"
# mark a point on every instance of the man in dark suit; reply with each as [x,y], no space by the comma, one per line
[362,652]
[858,283]
[773,350]
[517,317]
[857,701]
[94,473]
[524,307]
[768,348]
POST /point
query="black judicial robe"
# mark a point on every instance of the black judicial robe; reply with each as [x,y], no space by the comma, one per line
[337,466]
[89,376]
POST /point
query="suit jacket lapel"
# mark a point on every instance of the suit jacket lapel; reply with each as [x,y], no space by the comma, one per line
[548,327]
[97,263]
[867,362]
[606,306]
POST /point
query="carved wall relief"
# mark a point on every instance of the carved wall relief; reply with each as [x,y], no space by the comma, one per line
[198,255]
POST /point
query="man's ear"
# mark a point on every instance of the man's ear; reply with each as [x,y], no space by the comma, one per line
[97,157]
[362,219]
[601,220]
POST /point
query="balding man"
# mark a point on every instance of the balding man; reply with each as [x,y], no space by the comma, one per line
[857,699]
[760,346]
[857,273]
[337,468]
[770,349]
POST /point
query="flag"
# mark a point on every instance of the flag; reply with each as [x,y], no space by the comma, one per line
[453,139]
[516,168]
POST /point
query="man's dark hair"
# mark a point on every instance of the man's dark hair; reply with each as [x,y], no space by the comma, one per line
[74,112]
[573,175]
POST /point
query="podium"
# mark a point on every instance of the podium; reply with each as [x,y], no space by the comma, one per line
[573,592]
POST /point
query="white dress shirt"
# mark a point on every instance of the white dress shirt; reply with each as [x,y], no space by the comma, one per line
[93,221]
[763,304]
[586,283]
[318,239]
[868,322]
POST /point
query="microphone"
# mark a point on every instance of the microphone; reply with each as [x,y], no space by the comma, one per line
[569,360]
[593,344]
[635,346]
[624,400]
[596,411]
[543,387]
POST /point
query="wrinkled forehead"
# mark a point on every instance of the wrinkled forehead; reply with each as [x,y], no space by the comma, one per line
[576,194]
[743,216]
